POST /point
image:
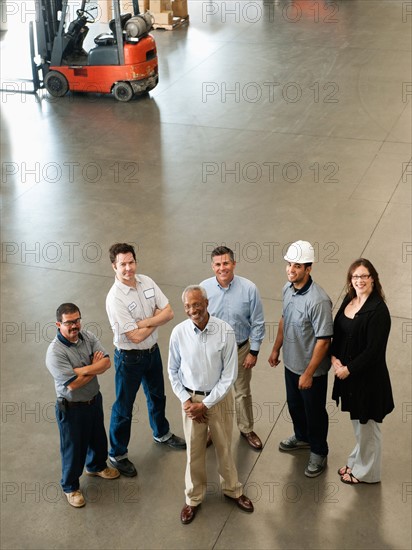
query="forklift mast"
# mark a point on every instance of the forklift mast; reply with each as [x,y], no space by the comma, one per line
[47,24]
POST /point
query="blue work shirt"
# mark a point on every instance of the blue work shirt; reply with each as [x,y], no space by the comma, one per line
[240,306]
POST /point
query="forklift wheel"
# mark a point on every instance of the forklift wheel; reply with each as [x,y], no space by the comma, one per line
[56,84]
[122,91]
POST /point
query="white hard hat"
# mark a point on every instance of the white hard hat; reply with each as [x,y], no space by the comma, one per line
[300,252]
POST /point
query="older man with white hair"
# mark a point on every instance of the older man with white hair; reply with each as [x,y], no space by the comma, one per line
[202,369]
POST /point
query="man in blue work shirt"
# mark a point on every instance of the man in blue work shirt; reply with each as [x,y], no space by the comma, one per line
[236,300]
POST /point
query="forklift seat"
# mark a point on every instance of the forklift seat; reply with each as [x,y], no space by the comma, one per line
[105,39]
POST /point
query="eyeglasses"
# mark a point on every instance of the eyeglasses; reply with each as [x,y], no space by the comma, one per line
[361,277]
[72,323]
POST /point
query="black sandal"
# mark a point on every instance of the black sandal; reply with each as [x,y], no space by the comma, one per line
[352,479]
[346,470]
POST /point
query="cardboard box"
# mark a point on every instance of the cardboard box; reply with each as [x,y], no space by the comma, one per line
[179,8]
[105,11]
[158,6]
[144,5]
[126,6]
[164,18]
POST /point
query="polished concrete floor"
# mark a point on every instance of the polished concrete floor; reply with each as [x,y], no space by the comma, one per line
[274,122]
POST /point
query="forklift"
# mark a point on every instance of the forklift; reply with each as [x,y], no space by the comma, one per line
[122,62]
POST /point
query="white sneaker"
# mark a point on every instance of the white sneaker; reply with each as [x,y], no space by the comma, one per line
[316,465]
[76,499]
[293,444]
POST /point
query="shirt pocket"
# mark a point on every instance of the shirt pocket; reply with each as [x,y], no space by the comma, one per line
[296,322]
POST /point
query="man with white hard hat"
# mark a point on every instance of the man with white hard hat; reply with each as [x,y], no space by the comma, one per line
[305,332]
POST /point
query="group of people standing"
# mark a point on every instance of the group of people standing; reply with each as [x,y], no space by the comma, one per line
[212,353]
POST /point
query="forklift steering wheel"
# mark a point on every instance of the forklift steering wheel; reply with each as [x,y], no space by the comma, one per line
[92,19]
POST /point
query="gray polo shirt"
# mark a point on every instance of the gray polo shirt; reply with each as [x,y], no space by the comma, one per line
[62,356]
[307,317]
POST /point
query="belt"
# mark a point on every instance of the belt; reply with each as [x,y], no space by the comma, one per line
[80,403]
[138,352]
[242,344]
[198,392]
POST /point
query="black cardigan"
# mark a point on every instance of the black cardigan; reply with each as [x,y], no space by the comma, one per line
[366,393]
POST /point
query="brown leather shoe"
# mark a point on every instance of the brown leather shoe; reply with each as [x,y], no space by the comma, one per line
[107,473]
[253,440]
[76,499]
[243,502]
[187,515]
[209,439]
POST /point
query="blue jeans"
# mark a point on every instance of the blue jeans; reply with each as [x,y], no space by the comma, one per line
[83,441]
[132,370]
[307,409]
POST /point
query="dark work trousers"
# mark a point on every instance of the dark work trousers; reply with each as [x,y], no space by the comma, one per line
[83,441]
[307,409]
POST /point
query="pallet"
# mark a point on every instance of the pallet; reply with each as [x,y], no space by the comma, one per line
[177,22]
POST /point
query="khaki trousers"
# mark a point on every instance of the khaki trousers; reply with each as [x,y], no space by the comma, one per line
[243,394]
[220,422]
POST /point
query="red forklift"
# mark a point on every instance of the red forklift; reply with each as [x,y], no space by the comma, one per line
[123,61]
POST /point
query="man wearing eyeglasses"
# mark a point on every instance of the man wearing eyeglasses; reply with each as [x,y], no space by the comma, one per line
[75,358]
[304,333]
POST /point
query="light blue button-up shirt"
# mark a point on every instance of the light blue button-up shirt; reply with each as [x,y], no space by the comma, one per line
[202,360]
[240,306]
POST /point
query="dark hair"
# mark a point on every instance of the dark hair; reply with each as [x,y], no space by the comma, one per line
[120,248]
[221,251]
[372,271]
[64,309]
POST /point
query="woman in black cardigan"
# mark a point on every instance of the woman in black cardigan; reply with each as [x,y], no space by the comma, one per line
[362,382]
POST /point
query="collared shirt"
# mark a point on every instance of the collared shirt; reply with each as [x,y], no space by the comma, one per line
[126,306]
[307,317]
[203,360]
[62,356]
[240,306]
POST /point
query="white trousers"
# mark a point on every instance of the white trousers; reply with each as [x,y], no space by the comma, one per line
[365,459]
